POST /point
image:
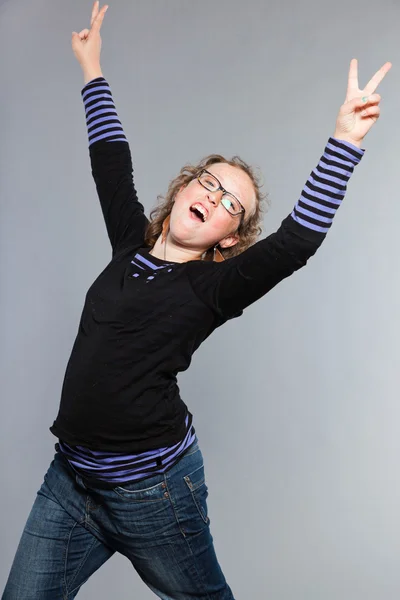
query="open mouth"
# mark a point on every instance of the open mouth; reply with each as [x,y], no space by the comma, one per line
[199,212]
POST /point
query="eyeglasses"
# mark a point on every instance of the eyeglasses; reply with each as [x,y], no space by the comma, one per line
[228,200]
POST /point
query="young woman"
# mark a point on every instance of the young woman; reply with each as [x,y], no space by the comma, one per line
[128,474]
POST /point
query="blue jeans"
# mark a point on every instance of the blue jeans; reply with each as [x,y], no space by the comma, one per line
[160,524]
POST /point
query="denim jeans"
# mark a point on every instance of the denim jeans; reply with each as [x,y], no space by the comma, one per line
[160,524]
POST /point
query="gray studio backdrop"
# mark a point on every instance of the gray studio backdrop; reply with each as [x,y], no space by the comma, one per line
[295,403]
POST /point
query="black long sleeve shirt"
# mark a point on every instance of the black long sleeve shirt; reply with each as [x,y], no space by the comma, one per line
[143,318]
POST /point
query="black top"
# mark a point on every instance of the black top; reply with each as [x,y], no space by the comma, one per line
[143,318]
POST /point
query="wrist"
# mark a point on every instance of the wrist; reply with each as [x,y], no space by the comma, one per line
[344,138]
[90,73]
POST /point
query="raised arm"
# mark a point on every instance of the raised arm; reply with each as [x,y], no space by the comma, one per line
[230,286]
[108,147]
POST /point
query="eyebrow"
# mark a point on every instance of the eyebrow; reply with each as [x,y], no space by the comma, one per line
[218,177]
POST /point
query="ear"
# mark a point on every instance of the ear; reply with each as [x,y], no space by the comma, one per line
[229,241]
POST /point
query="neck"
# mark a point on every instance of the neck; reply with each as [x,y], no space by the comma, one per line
[169,251]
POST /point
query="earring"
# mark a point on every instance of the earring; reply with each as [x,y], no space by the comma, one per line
[165,228]
[217,256]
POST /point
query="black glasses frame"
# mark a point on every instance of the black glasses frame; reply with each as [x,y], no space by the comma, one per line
[241,212]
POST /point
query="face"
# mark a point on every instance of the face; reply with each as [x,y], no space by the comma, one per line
[219,226]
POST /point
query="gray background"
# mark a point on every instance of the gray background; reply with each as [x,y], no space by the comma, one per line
[296,402]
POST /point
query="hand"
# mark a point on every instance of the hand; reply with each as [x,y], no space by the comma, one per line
[87,44]
[361,107]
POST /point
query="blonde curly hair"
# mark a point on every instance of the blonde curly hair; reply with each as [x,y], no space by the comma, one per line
[249,229]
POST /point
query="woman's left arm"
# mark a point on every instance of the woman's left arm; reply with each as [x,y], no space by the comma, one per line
[234,284]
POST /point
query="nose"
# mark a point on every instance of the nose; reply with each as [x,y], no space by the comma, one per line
[214,197]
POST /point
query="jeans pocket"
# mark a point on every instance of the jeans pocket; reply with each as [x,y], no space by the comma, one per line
[197,485]
[142,492]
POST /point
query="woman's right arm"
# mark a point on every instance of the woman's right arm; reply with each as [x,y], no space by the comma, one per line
[109,150]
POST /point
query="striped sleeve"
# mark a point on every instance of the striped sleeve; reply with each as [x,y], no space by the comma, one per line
[101,116]
[112,168]
[326,187]
[228,287]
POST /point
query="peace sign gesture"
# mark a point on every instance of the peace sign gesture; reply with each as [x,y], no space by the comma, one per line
[87,44]
[361,107]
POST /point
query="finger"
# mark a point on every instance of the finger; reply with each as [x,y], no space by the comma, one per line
[83,34]
[377,78]
[352,85]
[353,105]
[99,20]
[368,100]
[95,11]
[373,112]
[75,39]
